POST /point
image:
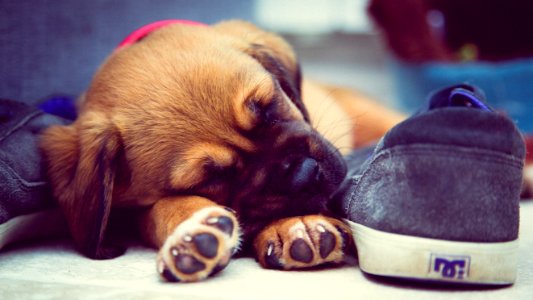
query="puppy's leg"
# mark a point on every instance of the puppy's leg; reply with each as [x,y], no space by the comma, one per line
[301,242]
[195,237]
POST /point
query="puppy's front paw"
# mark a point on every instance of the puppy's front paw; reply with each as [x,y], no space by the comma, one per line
[302,242]
[200,246]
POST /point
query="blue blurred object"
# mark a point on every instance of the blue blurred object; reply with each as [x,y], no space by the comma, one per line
[508,85]
[51,46]
[62,106]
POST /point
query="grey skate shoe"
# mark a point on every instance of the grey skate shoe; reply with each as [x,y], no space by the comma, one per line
[438,197]
[26,206]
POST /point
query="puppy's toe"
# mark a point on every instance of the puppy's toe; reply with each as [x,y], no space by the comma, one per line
[301,251]
[199,247]
[303,242]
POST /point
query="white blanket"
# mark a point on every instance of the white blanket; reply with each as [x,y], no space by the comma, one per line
[54,270]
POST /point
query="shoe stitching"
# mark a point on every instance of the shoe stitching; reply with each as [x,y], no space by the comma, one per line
[25,184]
[21,123]
[478,154]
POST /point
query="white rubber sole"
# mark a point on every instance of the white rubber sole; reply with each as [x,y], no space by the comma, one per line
[393,255]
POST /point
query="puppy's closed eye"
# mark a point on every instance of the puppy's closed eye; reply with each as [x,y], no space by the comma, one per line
[217,174]
[269,113]
[264,113]
[216,181]
[201,166]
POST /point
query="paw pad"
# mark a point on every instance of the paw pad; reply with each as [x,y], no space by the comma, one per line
[302,242]
[271,260]
[223,223]
[327,242]
[188,264]
[300,251]
[200,246]
[206,244]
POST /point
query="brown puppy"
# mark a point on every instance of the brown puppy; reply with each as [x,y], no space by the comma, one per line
[204,129]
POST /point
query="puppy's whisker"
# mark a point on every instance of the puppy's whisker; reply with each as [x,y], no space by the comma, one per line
[341,122]
[321,111]
[339,136]
[331,103]
[332,127]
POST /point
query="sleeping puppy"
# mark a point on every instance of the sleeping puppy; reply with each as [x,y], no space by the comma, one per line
[203,130]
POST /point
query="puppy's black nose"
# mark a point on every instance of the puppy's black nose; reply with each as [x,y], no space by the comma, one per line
[302,173]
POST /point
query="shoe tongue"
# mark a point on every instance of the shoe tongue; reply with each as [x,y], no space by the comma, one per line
[458,96]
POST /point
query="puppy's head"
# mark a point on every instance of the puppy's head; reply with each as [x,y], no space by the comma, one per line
[213,111]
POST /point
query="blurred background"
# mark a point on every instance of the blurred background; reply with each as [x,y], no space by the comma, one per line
[393,50]
[54,46]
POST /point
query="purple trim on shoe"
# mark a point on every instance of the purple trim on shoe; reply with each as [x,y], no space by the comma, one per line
[465,98]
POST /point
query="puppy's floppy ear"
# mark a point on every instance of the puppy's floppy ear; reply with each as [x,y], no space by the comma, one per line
[290,81]
[273,53]
[82,162]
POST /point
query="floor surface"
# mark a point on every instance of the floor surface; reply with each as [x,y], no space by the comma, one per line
[54,270]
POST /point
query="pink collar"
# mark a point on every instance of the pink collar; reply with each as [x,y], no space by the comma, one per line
[146,29]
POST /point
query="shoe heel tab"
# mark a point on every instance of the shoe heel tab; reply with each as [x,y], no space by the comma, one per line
[466,98]
[462,95]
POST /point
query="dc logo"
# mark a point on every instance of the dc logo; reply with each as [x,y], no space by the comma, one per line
[450,266]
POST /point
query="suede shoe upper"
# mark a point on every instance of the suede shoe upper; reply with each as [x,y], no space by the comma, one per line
[453,171]
[23,186]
